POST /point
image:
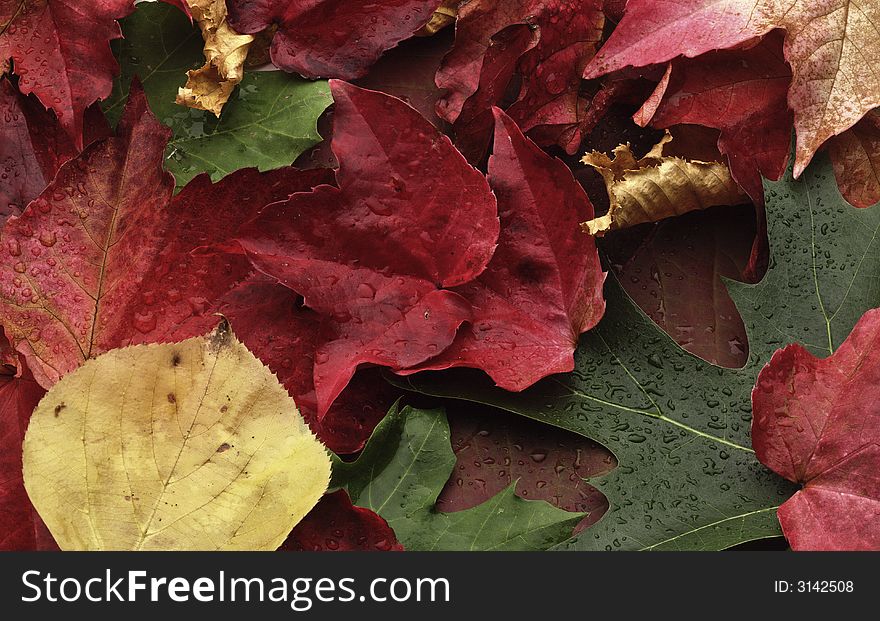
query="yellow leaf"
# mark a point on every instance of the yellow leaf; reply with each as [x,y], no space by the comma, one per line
[658,186]
[183,446]
[209,87]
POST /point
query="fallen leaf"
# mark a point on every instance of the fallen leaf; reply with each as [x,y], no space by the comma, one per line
[676,276]
[742,93]
[271,321]
[679,426]
[547,101]
[33,145]
[61,53]
[401,472]
[543,287]
[826,44]
[494,451]
[658,186]
[266,125]
[182,446]
[331,38]
[376,256]
[102,258]
[856,157]
[474,125]
[336,525]
[20,526]
[209,87]
[816,424]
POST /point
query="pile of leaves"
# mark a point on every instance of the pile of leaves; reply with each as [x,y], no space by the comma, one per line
[406,274]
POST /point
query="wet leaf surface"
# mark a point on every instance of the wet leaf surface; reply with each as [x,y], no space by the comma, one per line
[679,427]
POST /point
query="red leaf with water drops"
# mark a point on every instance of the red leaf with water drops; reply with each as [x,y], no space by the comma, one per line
[33,146]
[474,125]
[742,93]
[331,38]
[484,61]
[336,525]
[826,44]
[375,256]
[816,423]
[20,526]
[61,53]
[101,258]
[543,287]
[493,451]
[271,321]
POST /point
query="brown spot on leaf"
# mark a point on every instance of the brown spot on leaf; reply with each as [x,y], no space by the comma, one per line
[175,359]
[58,409]
[221,337]
[223,448]
[172,398]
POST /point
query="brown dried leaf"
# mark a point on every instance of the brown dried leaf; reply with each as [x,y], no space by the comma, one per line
[209,86]
[658,186]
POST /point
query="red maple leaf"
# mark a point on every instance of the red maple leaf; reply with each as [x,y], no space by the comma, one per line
[547,43]
[33,146]
[742,93]
[331,38]
[102,257]
[826,44]
[105,257]
[816,423]
[376,255]
[335,525]
[61,53]
[543,287]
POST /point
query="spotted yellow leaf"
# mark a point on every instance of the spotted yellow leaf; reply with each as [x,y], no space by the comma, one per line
[183,446]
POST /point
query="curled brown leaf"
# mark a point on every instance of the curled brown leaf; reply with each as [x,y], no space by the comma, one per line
[658,186]
[209,86]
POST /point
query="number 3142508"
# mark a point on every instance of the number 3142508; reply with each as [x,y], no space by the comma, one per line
[824,586]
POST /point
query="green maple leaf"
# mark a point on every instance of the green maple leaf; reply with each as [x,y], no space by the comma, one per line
[269,120]
[679,426]
[402,470]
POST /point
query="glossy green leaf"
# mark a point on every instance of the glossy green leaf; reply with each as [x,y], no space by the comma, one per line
[679,426]
[270,119]
[402,470]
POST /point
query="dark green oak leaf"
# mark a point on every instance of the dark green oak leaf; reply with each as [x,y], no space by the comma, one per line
[679,426]
[269,120]
[403,469]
